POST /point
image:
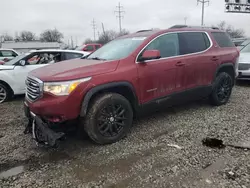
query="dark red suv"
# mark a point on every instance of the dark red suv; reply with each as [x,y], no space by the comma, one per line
[144,70]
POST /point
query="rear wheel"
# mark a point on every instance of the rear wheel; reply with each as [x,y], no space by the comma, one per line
[4,93]
[222,89]
[109,118]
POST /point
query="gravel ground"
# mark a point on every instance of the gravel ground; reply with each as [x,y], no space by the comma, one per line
[143,159]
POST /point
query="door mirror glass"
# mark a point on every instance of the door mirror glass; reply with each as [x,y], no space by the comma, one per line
[150,55]
[22,62]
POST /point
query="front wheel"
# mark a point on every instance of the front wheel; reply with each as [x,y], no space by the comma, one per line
[222,89]
[4,93]
[109,118]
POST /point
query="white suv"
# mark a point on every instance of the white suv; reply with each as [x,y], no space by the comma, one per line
[14,72]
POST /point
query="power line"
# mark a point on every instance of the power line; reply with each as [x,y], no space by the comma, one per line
[203,2]
[93,23]
[120,13]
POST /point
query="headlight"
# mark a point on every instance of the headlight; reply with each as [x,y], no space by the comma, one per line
[63,88]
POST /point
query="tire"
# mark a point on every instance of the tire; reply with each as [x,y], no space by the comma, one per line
[222,89]
[5,93]
[108,119]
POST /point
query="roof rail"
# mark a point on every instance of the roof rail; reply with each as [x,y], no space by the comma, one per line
[143,30]
[186,26]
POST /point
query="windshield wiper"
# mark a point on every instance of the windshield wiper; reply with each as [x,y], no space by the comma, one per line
[97,58]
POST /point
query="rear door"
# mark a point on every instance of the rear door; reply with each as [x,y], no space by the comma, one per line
[200,60]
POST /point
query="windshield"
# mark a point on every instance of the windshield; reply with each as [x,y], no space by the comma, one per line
[80,47]
[246,49]
[117,49]
[16,59]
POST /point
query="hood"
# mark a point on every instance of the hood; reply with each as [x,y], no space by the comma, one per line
[244,58]
[6,67]
[73,69]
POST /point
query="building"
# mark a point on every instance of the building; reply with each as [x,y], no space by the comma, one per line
[23,47]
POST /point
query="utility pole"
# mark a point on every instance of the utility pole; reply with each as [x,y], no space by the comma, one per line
[120,12]
[103,30]
[94,27]
[203,2]
[185,20]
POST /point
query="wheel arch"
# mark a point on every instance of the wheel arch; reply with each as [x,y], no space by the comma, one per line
[7,85]
[125,89]
[225,67]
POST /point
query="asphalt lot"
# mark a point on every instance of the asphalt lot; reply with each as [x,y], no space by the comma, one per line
[144,158]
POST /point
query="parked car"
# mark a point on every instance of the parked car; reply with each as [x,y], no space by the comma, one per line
[89,47]
[243,44]
[129,75]
[14,72]
[244,63]
[7,54]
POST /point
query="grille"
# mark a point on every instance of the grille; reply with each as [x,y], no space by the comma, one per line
[33,89]
[244,66]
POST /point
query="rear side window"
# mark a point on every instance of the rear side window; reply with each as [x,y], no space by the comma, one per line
[7,53]
[223,39]
[72,55]
[193,42]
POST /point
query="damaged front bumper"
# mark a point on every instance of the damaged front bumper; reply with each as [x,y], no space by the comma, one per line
[41,132]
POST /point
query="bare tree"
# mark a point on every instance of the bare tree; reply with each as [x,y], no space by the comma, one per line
[26,36]
[6,37]
[51,36]
[234,33]
[107,36]
[123,32]
[88,41]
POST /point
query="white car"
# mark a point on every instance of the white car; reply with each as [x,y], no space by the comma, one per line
[7,54]
[14,72]
[244,63]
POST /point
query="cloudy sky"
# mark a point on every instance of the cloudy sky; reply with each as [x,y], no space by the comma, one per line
[73,17]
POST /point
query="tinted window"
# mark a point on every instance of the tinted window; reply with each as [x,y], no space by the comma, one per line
[69,55]
[223,39]
[168,45]
[89,48]
[97,46]
[193,42]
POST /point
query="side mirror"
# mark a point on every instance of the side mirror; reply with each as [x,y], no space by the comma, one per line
[150,55]
[5,59]
[22,62]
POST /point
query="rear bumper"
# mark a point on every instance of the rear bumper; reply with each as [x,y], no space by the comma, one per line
[41,132]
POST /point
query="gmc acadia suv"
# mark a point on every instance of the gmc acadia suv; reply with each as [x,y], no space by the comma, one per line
[147,69]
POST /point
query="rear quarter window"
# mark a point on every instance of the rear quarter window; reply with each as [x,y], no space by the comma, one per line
[223,39]
[193,42]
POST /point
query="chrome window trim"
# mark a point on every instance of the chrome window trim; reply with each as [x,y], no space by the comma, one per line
[210,40]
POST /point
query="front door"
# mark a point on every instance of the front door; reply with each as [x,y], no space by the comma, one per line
[158,78]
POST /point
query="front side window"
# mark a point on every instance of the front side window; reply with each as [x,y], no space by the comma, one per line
[69,55]
[97,47]
[117,49]
[43,58]
[167,44]
[193,42]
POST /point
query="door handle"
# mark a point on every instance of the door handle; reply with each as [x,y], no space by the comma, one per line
[180,63]
[214,58]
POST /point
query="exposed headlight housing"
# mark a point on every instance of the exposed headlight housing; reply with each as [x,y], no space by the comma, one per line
[63,88]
